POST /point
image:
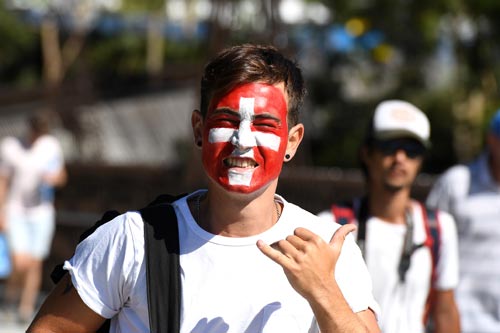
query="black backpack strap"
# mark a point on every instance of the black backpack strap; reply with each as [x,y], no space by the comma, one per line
[161,237]
[362,216]
[433,229]
[433,242]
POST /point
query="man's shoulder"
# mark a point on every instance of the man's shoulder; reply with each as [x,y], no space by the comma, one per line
[439,220]
[457,172]
[48,142]
[454,182]
[299,212]
[8,143]
[115,228]
[303,218]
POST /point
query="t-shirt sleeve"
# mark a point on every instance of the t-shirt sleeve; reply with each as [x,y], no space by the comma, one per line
[7,153]
[438,196]
[452,184]
[55,156]
[448,266]
[105,267]
[354,279]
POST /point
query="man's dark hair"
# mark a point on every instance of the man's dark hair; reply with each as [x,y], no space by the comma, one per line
[250,63]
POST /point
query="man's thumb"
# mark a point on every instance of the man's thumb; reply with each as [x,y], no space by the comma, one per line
[341,233]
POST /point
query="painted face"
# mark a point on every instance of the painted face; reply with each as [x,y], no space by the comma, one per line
[246,136]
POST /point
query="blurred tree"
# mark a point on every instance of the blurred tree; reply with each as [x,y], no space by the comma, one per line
[59,56]
[18,51]
[155,41]
[439,54]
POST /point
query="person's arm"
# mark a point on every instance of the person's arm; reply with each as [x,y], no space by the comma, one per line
[445,312]
[64,311]
[101,274]
[309,264]
[58,178]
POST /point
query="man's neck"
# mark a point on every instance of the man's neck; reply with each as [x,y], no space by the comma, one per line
[389,206]
[238,215]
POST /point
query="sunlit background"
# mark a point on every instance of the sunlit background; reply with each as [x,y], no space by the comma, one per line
[121,78]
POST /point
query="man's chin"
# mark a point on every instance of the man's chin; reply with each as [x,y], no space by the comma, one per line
[244,190]
[393,187]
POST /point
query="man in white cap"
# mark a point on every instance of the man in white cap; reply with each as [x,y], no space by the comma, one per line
[471,193]
[411,251]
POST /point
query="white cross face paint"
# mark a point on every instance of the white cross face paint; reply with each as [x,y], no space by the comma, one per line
[247,136]
[243,137]
[240,177]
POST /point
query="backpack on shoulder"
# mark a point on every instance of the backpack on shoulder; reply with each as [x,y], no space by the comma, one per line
[357,212]
[162,263]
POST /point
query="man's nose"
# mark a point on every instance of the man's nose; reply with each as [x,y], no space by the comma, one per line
[244,137]
[400,154]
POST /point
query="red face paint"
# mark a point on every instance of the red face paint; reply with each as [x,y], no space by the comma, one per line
[246,134]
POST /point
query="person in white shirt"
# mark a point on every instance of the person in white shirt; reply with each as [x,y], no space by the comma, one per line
[30,168]
[414,274]
[250,261]
[471,193]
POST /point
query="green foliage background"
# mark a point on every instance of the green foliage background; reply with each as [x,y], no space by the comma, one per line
[336,124]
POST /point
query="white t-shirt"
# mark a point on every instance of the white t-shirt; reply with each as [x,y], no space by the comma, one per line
[228,285]
[471,195]
[26,166]
[402,304]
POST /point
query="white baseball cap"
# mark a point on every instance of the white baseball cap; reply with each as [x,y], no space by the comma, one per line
[397,119]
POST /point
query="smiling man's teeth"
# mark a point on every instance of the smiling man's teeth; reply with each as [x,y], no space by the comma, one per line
[240,163]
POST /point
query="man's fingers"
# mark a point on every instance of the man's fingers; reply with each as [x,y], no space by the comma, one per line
[341,233]
[272,252]
[297,242]
[305,234]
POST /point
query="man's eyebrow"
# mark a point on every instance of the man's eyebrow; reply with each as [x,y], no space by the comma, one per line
[267,116]
[226,110]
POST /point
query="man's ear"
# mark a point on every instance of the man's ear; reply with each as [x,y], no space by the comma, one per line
[197,125]
[295,136]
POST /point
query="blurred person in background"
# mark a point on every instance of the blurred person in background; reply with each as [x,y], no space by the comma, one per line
[411,252]
[471,193]
[30,168]
[232,279]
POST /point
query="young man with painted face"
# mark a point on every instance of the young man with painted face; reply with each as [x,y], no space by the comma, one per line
[394,229]
[250,261]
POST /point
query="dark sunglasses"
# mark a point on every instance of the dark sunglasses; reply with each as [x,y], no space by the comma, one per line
[411,147]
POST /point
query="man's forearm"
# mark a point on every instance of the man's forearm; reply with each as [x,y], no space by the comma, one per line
[333,314]
[447,322]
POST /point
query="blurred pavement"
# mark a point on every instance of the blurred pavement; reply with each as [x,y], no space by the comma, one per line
[8,319]
[12,327]
[9,323]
